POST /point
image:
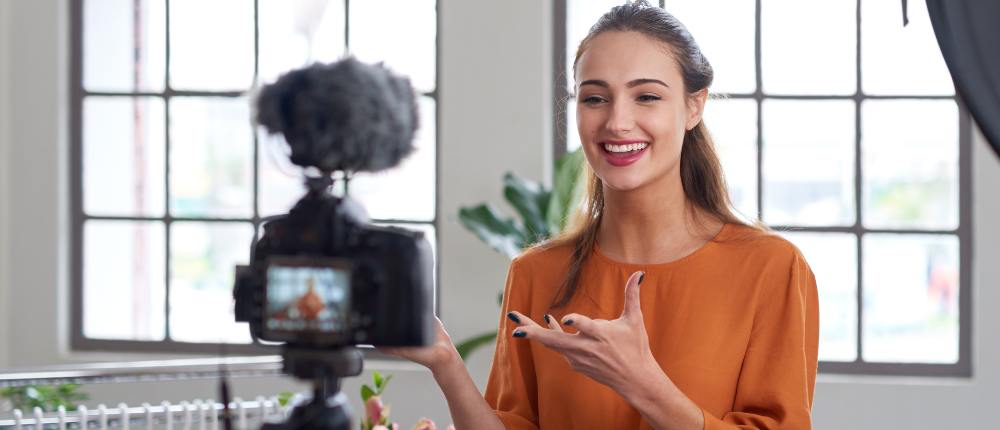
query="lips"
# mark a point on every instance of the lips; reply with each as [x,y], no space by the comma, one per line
[622,159]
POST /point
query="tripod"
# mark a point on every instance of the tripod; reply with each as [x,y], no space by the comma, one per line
[329,408]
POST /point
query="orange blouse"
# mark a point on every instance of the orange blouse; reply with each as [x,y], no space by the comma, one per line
[735,325]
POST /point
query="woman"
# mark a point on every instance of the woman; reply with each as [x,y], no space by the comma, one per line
[717,324]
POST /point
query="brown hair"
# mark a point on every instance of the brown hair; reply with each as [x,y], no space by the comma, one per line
[701,173]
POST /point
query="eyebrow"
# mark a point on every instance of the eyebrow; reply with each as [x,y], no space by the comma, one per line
[630,84]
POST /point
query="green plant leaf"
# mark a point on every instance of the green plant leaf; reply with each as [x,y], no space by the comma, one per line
[385,383]
[503,235]
[366,393]
[46,397]
[467,346]
[531,201]
[284,397]
[567,190]
[378,380]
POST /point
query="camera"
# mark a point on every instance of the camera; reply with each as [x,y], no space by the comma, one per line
[322,278]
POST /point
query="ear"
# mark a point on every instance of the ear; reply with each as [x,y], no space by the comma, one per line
[696,106]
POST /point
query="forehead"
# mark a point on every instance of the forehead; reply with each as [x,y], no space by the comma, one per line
[617,56]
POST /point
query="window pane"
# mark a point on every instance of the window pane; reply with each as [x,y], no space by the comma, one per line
[406,191]
[900,60]
[202,260]
[211,44]
[294,33]
[123,156]
[123,280]
[809,47]
[726,39]
[120,52]
[580,16]
[281,182]
[808,162]
[211,157]
[833,258]
[733,125]
[910,173]
[412,49]
[910,308]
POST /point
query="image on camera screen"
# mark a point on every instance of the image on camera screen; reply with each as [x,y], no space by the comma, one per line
[303,297]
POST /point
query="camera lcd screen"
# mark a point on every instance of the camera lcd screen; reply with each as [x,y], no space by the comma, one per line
[306,298]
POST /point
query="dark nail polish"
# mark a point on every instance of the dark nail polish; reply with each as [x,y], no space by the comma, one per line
[641,277]
[513,317]
[569,322]
[547,318]
[520,334]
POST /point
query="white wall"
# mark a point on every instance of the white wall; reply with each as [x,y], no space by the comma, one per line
[4,172]
[495,94]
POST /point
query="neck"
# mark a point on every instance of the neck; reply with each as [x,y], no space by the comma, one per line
[653,224]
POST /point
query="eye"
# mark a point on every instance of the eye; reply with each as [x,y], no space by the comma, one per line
[592,100]
[649,98]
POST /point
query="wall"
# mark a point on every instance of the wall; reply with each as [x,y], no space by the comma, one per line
[4,173]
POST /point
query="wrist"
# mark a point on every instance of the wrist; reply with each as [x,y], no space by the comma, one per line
[649,384]
[448,365]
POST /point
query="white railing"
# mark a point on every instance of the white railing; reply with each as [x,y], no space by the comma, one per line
[196,415]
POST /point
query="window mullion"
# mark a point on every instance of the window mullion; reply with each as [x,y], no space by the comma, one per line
[166,171]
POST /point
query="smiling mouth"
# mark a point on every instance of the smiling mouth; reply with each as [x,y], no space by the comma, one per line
[630,148]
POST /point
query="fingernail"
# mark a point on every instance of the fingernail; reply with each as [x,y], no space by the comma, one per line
[546,318]
[513,317]
[568,322]
[520,334]
[641,277]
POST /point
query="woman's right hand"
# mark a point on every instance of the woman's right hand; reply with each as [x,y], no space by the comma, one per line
[435,356]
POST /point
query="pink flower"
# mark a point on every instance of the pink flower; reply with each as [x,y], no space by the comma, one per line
[380,427]
[425,424]
[374,409]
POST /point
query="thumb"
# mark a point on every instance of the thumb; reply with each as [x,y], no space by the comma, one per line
[632,309]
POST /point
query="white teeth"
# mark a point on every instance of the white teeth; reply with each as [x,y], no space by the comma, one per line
[625,148]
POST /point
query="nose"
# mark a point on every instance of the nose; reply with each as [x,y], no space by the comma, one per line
[621,119]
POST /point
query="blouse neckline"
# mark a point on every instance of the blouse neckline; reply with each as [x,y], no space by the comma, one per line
[707,246]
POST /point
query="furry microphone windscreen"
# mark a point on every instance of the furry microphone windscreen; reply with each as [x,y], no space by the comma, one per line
[346,115]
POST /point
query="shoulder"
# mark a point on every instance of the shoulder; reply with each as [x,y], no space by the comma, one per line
[544,256]
[763,253]
[759,244]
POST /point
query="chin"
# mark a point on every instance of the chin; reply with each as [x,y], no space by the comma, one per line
[625,183]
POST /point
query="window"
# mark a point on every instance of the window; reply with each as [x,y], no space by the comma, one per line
[170,178]
[840,128]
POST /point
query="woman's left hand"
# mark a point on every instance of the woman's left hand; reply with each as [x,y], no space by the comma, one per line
[615,353]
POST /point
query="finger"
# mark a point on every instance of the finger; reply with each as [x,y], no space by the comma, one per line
[582,323]
[521,319]
[556,340]
[553,324]
[633,310]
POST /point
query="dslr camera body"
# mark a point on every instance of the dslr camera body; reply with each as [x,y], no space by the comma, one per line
[323,277]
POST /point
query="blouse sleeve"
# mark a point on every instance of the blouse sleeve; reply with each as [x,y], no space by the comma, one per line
[776,384]
[511,387]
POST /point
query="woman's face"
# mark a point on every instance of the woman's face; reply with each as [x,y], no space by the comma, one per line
[632,110]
